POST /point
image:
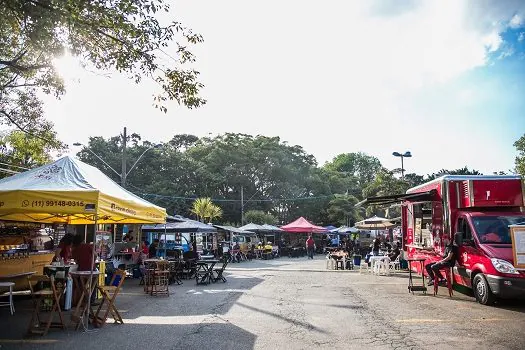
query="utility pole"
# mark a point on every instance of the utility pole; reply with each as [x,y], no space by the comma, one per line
[123,175]
[242,206]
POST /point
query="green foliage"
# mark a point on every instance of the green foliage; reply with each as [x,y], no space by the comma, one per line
[259,217]
[121,35]
[204,208]
[342,211]
[280,182]
[384,184]
[23,150]
[520,159]
[462,171]
[359,165]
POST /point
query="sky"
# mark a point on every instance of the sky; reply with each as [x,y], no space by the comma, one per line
[441,79]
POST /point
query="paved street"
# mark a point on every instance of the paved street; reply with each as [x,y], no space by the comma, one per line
[288,304]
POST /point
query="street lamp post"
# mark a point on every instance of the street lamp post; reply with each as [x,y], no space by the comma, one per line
[124,174]
[407,154]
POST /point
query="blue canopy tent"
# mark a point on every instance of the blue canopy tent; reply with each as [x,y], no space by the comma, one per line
[185,228]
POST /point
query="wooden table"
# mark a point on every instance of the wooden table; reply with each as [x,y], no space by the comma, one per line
[411,287]
[81,280]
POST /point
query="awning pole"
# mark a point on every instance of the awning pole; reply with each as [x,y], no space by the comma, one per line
[86,316]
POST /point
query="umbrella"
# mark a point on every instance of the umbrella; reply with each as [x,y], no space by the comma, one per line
[345,230]
[271,228]
[252,227]
[184,226]
[374,223]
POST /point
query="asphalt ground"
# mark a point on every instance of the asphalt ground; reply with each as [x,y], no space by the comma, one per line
[287,304]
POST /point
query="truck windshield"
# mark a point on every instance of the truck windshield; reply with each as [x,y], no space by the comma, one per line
[495,229]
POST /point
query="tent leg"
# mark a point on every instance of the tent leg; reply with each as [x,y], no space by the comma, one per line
[90,278]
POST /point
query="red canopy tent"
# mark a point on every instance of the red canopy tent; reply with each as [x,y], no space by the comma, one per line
[302,225]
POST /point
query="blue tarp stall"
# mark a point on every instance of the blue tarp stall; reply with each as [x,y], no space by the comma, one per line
[168,230]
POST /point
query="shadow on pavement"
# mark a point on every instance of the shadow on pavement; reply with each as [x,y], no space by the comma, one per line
[305,325]
[204,335]
[187,304]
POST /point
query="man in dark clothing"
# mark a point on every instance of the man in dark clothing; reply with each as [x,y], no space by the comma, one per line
[377,244]
[153,248]
[395,253]
[449,260]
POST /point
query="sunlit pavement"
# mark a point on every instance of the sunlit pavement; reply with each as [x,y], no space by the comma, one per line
[287,304]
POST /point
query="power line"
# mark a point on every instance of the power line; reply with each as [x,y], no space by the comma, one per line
[15,166]
[9,171]
[142,193]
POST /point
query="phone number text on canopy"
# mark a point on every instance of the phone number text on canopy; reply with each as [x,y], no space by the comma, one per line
[57,204]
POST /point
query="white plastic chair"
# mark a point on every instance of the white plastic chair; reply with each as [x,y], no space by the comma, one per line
[395,265]
[381,267]
[329,262]
[364,266]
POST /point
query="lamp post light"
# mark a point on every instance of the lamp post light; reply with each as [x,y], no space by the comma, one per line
[124,174]
[407,154]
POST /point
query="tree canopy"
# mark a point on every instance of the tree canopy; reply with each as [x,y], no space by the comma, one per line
[520,159]
[127,36]
[279,181]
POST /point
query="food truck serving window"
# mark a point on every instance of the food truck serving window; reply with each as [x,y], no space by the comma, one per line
[422,213]
[495,229]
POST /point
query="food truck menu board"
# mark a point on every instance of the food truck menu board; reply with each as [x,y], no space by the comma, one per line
[517,234]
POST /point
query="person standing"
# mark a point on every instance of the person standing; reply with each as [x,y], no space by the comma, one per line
[310,246]
[63,251]
[83,254]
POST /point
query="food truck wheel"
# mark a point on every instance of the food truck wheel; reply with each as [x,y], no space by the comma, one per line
[482,290]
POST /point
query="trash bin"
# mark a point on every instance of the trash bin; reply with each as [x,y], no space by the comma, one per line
[357,260]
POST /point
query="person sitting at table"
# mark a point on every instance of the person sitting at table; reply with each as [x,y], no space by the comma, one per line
[395,252]
[235,252]
[63,251]
[153,248]
[449,260]
[83,254]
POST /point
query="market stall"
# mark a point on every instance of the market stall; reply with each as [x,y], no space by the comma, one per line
[70,192]
[299,230]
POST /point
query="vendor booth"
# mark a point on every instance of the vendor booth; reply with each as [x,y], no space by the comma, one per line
[177,236]
[298,233]
[66,191]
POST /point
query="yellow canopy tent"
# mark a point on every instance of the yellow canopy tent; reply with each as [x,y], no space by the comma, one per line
[70,191]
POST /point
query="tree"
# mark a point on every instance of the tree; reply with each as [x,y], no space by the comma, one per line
[360,165]
[342,211]
[384,184]
[520,159]
[461,171]
[113,35]
[214,211]
[205,209]
[24,151]
[259,217]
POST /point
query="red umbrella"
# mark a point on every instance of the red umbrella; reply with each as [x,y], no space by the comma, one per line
[302,225]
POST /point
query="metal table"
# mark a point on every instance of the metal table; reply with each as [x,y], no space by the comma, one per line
[411,287]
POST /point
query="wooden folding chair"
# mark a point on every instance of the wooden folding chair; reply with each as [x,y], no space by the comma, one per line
[38,297]
[109,294]
[161,277]
[220,271]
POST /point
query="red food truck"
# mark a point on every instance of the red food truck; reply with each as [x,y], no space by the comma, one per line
[481,208]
